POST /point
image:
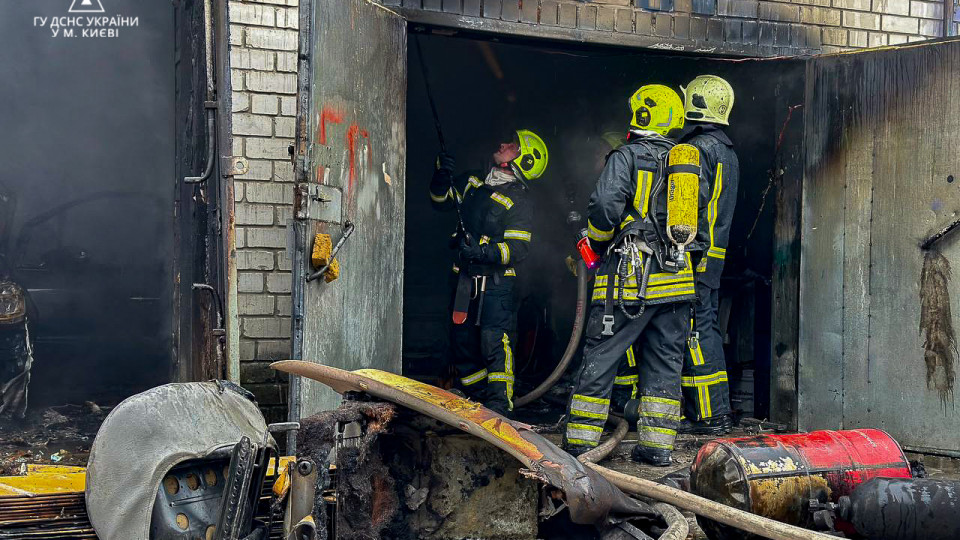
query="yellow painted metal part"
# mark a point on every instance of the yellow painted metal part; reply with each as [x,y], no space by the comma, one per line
[683,192]
[470,411]
[44,479]
[282,484]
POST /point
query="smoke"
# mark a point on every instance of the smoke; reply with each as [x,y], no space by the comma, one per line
[940,341]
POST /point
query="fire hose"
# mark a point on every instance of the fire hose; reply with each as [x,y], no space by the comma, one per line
[572,345]
[671,497]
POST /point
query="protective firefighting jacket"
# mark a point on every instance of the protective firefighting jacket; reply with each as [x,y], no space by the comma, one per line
[625,195]
[720,170]
[499,218]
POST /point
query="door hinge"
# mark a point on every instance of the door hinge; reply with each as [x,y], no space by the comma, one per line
[318,202]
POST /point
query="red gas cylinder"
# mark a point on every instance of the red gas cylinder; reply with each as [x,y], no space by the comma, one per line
[776,475]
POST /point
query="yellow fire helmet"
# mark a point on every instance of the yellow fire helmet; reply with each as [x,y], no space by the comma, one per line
[708,98]
[532,161]
[656,108]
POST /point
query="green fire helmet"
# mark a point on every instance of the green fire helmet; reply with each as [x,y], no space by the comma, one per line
[708,98]
[532,161]
[656,108]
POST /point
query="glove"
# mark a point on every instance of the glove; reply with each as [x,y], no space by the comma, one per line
[471,253]
[445,162]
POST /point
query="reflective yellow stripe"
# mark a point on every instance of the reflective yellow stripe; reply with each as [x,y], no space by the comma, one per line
[517,235]
[696,353]
[510,272]
[587,427]
[712,207]
[671,292]
[441,198]
[673,417]
[641,199]
[484,239]
[589,407]
[656,437]
[473,181]
[456,269]
[474,378]
[626,220]
[704,380]
[508,368]
[626,379]
[581,442]
[504,252]
[631,358]
[588,399]
[598,234]
[507,202]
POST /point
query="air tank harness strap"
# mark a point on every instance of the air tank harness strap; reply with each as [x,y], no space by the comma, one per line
[625,247]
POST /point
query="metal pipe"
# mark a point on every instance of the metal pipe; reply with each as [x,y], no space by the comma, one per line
[572,344]
[211,149]
[752,523]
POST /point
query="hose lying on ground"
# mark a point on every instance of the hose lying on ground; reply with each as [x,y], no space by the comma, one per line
[722,513]
[572,345]
[677,526]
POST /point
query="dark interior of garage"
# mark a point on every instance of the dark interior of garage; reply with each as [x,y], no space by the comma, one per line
[576,99]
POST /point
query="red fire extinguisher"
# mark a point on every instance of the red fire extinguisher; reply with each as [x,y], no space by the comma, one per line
[586,252]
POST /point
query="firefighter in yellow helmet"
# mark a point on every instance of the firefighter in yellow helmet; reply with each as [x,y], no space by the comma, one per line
[643,288]
[493,236]
[707,105]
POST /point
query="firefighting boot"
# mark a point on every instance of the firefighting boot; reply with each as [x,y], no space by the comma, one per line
[658,457]
[718,425]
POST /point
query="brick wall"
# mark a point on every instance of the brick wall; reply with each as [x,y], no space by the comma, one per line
[263,58]
[750,27]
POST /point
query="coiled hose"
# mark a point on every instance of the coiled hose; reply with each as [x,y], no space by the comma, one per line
[677,526]
[575,334]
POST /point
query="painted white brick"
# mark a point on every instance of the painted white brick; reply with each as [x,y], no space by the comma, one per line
[279,283]
[240,102]
[857,19]
[252,14]
[274,237]
[862,5]
[251,59]
[258,170]
[283,172]
[236,35]
[287,62]
[834,36]
[284,306]
[288,106]
[858,38]
[238,148]
[267,148]
[284,126]
[248,349]
[273,349]
[255,214]
[237,191]
[903,25]
[241,237]
[251,124]
[255,304]
[913,39]
[236,80]
[877,39]
[274,83]
[896,39]
[288,18]
[927,10]
[892,7]
[269,192]
[931,28]
[249,282]
[260,104]
[284,214]
[283,261]
[268,327]
[269,38]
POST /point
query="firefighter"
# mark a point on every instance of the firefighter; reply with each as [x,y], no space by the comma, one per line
[494,236]
[706,393]
[643,287]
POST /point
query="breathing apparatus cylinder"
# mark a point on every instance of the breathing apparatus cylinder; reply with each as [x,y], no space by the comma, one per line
[683,193]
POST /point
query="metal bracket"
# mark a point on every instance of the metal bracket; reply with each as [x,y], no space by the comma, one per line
[234,166]
[319,202]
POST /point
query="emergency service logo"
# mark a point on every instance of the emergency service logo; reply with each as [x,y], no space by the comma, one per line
[86,19]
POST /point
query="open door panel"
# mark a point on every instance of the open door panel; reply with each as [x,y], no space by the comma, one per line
[877,346]
[350,167]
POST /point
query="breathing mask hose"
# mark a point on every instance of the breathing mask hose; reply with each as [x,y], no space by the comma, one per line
[575,334]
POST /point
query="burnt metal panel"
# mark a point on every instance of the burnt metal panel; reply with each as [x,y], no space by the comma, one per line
[351,138]
[877,173]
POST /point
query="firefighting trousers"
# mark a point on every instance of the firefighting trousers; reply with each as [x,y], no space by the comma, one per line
[483,355]
[661,334]
[625,383]
[706,393]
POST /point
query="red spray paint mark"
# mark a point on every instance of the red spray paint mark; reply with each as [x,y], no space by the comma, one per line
[331,115]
